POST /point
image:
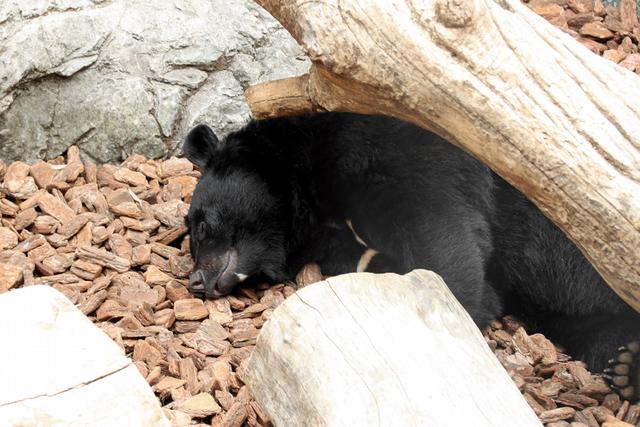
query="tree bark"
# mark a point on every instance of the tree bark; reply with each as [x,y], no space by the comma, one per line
[365,349]
[558,122]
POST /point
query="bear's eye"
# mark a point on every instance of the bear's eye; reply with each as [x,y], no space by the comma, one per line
[202,230]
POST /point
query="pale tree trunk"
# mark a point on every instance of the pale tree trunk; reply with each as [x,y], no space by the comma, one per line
[380,350]
[556,121]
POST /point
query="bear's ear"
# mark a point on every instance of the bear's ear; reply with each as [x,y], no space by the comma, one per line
[200,145]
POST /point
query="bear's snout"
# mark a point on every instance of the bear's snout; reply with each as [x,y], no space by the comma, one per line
[215,275]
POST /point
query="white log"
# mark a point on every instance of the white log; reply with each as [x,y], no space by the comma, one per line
[364,349]
[58,369]
[558,122]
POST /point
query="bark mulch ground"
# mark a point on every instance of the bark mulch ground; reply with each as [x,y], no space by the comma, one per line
[112,239]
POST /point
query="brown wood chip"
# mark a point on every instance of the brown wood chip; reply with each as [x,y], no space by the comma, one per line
[558,414]
[55,207]
[190,309]
[103,258]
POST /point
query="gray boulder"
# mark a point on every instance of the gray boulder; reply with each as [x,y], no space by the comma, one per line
[117,77]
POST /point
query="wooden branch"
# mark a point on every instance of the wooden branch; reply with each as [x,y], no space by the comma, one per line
[365,349]
[57,368]
[280,98]
[558,122]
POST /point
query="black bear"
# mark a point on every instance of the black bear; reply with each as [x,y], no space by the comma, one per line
[283,192]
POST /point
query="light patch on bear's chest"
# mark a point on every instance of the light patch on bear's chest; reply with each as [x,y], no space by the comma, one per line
[358,239]
[368,254]
[365,259]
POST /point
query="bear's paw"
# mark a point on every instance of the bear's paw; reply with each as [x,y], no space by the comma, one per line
[623,373]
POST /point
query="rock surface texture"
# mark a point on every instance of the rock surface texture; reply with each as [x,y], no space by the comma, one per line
[117,77]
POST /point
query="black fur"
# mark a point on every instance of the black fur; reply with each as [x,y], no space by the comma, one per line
[279,191]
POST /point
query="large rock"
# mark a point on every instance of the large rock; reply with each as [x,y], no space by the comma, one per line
[122,76]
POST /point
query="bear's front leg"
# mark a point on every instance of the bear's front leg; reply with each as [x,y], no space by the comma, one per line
[335,249]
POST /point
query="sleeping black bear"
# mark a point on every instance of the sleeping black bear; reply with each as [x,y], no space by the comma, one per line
[283,192]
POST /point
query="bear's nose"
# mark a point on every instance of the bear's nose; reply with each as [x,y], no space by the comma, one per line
[196,282]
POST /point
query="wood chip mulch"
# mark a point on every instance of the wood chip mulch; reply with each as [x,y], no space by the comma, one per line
[112,239]
[607,30]
[561,391]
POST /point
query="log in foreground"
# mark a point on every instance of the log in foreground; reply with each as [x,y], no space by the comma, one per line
[558,122]
[366,349]
[58,369]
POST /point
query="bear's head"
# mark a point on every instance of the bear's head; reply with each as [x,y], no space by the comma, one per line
[235,221]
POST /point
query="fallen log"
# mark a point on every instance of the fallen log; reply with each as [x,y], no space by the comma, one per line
[58,369]
[365,349]
[558,122]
